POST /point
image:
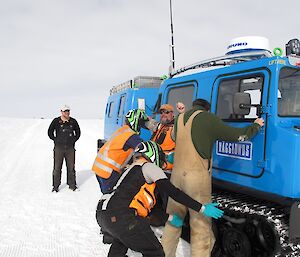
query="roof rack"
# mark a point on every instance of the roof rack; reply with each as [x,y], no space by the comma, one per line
[121,87]
[137,82]
[225,60]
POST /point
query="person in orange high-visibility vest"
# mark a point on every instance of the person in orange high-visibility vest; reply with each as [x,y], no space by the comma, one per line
[162,135]
[115,154]
[122,212]
[162,130]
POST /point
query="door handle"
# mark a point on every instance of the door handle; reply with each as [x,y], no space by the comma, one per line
[297,127]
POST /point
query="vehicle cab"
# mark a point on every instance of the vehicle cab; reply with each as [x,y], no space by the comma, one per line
[246,83]
[138,93]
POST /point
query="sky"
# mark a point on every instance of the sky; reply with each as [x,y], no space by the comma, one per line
[56,52]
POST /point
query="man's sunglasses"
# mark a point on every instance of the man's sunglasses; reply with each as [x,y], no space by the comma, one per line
[165,112]
[66,111]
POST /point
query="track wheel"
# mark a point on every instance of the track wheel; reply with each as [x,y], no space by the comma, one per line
[236,243]
[267,237]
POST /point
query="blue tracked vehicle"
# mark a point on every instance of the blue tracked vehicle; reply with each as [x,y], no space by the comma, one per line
[257,181]
[138,93]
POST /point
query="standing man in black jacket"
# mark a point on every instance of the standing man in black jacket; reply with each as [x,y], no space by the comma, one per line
[64,131]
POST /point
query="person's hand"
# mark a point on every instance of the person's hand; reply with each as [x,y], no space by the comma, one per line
[143,115]
[210,210]
[175,220]
[260,122]
[180,107]
[170,157]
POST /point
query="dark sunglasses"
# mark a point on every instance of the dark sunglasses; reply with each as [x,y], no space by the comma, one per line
[165,112]
[66,111]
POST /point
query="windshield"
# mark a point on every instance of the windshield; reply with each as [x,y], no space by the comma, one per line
[289,92]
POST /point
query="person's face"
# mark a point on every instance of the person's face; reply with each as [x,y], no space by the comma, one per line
[166,116]
[65,114]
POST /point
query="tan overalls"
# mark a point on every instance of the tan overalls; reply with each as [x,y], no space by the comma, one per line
[191,175]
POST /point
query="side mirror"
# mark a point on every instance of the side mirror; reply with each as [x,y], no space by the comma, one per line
[241,103]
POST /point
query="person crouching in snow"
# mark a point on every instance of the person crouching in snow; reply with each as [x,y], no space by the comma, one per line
[122,213]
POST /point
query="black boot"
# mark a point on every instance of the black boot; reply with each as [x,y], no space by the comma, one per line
[55,189]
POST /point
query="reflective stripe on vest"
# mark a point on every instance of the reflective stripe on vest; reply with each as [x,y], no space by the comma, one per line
[144,200]
[111,155]
[108,160]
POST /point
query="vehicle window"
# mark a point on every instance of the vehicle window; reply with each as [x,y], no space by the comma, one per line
[110,109]
[182,94]
[289,92]
[121,106]
[228,88]
[106,108]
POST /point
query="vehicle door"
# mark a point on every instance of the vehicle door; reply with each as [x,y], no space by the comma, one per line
[245,158]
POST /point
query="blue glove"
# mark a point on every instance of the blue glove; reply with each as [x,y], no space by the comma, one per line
[210,210]
[170,158]
[175,220]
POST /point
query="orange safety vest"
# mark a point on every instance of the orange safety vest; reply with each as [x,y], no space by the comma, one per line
[164,130]
[168,145]
[144,200]
[111,155]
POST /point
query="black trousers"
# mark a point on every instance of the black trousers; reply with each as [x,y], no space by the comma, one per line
[129,231]
[59,154]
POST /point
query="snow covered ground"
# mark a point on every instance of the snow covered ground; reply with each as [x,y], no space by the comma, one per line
[35,222]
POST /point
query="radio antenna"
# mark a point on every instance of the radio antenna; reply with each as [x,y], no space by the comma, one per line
[172,61]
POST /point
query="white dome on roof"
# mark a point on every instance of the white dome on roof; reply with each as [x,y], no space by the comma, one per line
[241,44]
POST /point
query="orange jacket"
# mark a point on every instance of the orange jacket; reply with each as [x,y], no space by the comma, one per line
[111,155]
[144,200]
[163,137]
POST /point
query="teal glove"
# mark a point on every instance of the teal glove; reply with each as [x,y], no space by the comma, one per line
[210,210]
[175,220]
[170,158]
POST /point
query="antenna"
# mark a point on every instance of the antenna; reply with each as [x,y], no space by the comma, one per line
[172,61]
